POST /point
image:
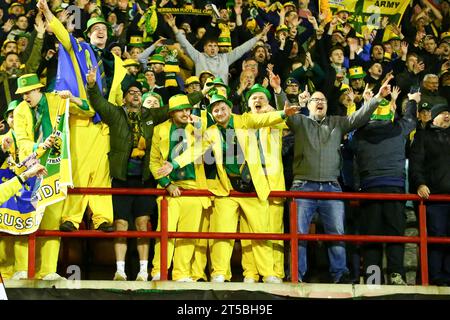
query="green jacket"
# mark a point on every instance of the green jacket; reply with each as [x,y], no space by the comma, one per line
[120,132]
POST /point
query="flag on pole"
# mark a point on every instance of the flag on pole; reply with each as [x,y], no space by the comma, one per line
[22,213]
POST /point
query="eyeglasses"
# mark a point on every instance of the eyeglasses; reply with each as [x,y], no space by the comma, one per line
[317,100]
[135,92]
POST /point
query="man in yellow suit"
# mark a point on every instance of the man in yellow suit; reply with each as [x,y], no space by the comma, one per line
[237,157]
[170,139]
[269,143]
[34,120]
[89,138]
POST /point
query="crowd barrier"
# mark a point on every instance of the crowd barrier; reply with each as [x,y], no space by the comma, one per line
[293,237]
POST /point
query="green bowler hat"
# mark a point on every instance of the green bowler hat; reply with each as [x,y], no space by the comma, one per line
[217,98]
[91,22]
[258,88]
[11,106]
[28,82]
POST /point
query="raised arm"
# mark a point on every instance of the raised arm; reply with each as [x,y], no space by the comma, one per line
[181,38]
[362,116]
[57,27]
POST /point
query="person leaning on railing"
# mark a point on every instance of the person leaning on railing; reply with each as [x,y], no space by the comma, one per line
[316,168]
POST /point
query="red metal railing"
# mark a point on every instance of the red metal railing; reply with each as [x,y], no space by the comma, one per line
[292,236]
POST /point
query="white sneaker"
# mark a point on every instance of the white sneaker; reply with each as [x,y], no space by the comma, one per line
[273,279]
[142,276]
[249,280]
[187,279]
[53,277]
[156,277]
[20,275]
[120,276]
[218,278]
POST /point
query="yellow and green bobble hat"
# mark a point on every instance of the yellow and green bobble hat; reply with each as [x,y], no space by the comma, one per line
[157,96]
[383,112]
[28,82]
[179,102]
[136,41]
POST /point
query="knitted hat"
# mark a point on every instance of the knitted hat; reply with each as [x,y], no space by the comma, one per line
[282,27]
[438,109]
[179,102]
[157,58]
[383,112]
[291,81]
[15,4]
[28,82]
[445,35]
[424,106]
[127,87]
[217,98]
[356,73]
[207,72]
[8,41]
[258,88]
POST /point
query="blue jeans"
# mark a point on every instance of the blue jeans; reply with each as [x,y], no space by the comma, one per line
[331,213]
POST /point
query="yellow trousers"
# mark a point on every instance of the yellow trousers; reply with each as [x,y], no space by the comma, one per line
[184,214]
[275,226]
[89,146]
[47,248]
[200,259]
[225,219]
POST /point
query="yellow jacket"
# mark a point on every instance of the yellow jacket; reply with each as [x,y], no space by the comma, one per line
[160,152]
[243,124]
[271,141]
[23,121]
[8,189]
[115,94]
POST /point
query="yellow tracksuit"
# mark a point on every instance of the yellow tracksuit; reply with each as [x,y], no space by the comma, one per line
[89,147]
[12,255]
[225,216]
[179,217]
[271,143]
[47,249]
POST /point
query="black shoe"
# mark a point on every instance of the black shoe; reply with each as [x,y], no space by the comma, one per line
[105,227]
[345,279]
[67,227]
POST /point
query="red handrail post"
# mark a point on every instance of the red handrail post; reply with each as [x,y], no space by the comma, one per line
[294,240]
[31,255]
[423,242]
[164,237]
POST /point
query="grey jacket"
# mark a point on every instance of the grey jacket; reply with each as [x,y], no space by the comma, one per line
[317,154]
[219,64]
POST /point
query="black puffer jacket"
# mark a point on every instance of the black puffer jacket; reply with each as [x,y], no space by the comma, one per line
[430,159]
